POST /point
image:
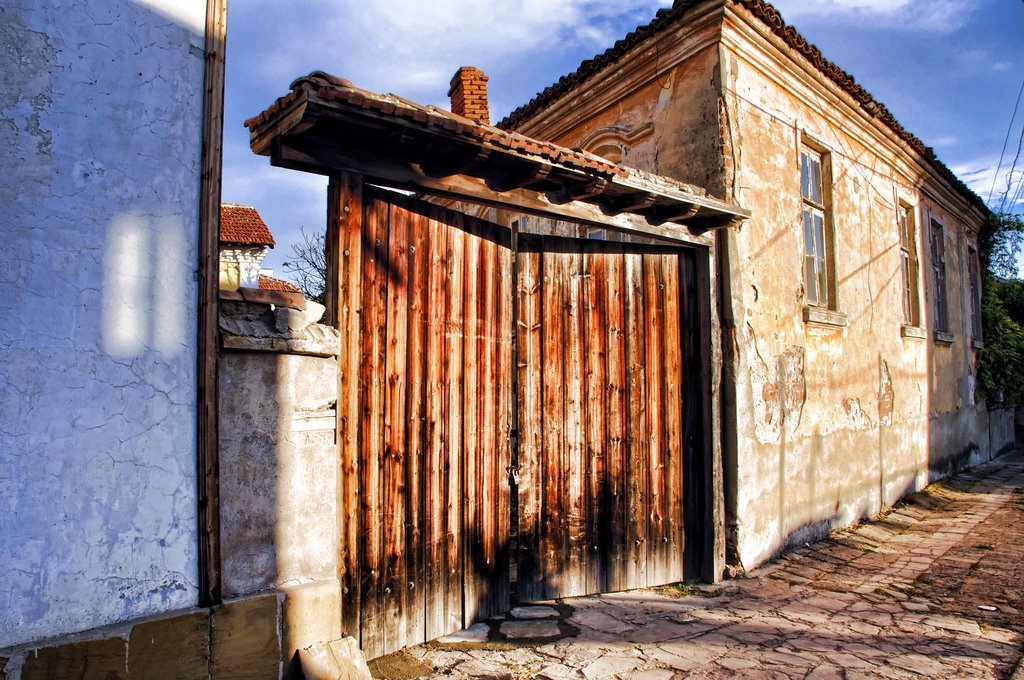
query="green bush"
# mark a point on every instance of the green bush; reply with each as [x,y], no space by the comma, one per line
[1001,362]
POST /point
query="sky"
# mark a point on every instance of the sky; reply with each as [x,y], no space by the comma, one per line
[949,70]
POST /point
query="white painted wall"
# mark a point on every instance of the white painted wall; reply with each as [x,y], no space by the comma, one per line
[100,119]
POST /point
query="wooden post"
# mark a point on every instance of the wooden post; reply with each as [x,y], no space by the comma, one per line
[207,459]
[344,244]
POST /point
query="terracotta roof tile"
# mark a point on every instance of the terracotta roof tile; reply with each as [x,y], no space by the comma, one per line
[271,283]
[666,18]
[242,224]
[327,88]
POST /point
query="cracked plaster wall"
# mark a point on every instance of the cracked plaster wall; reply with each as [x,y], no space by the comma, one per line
[836,422]
[100,119]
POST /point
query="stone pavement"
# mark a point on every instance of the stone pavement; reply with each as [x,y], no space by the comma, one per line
[934,588]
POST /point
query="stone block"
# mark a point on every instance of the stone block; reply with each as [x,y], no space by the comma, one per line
[274,297]
[246,642]
[311,615]
[170,649]
[93,660]
[351,662]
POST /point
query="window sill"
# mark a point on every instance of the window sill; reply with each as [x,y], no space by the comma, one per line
[824,317]
[944,338]
[913,332]
[977,344]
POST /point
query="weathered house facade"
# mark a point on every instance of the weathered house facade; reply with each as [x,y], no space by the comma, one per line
[849,300]
[744,313]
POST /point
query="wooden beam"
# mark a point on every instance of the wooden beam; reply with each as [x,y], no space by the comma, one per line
[207,451]
[578,192]
[343,294]
[635,203]
[519,179]
[387,173]
[673,213]
[447,165]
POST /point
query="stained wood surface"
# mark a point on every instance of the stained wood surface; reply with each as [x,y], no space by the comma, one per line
[430,302]
[435,391]
[601,347]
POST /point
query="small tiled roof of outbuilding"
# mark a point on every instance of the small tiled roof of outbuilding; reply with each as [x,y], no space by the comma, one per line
[271,283]
[329,87]
[325,108]
[242,224]
[764,11]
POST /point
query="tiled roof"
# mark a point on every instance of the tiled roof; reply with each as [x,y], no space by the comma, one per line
[242,224]
[270,283]
[327,122]
[764,11]
[328,88]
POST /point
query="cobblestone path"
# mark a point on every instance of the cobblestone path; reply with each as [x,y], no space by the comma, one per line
[934,588]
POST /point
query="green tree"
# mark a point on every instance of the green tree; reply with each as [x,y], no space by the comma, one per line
[1001,362]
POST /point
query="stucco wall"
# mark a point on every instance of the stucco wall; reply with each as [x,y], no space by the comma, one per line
[838,419]
[100,112]
[278,469]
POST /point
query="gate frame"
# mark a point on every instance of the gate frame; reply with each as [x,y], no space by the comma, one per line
[326,126]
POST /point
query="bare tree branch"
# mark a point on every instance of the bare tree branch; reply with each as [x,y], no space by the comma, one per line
[308,265]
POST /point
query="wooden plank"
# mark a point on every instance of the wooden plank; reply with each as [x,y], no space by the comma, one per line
[285,153]
[596,335]
[575,559]
[710,533]
[472,426]
[654,348]
[505,382]
[553,520]
[455,484]
[637,459]
[617,432]
[345,239]
[674,405]
[416,449]
[207,450]
[372,382]
[488,453]
[529,582]
[436,467]
[396,418]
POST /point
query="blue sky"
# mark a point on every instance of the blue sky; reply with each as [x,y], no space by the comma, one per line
[950,70]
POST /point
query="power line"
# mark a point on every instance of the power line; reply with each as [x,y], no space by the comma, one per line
[1009,176]
[1006,140]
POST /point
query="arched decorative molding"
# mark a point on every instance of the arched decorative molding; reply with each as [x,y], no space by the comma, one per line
[612,142]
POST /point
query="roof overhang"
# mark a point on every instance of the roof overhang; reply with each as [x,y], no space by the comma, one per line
[325,126]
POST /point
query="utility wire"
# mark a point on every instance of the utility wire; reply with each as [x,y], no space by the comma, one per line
[1006,140]
[1009,176]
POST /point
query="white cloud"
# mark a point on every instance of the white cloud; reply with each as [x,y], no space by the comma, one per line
[930,15]
[408,44]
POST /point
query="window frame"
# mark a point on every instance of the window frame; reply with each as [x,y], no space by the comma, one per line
[940,290]
[974,290]
[820,294]
[910,264]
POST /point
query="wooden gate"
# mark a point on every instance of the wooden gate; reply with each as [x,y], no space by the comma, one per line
[606,422]
[431,451]
[464,340]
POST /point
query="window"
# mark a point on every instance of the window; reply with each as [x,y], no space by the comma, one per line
[941,304]
[818,273]
[908,256]
[975,284]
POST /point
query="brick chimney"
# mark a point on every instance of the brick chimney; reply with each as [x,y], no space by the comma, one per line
[469,94]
